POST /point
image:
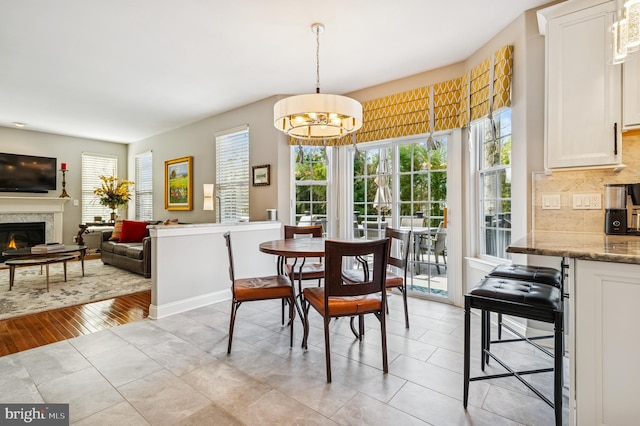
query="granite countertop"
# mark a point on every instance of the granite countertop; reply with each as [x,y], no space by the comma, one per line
[578,245]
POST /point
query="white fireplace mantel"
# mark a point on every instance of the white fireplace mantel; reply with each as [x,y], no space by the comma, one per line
[36,205]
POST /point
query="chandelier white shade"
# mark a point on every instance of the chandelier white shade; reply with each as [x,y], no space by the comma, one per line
[317,116]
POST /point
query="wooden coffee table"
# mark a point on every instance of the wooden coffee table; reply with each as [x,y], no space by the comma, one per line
[25,253]
[37,261]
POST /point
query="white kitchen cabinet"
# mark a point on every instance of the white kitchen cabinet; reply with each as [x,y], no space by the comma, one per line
[631,92]
[605,302]
[583,107]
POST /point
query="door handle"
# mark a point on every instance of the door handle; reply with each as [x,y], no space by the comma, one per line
[615,138]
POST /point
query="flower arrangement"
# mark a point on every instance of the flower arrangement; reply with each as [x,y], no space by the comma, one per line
[113,192]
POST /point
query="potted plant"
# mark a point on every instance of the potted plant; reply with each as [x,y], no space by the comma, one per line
[114,192]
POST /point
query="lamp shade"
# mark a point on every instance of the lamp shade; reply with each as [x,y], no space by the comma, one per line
[208,196]
[317,116]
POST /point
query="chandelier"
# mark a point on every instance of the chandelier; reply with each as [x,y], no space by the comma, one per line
[626,31]
[317,116]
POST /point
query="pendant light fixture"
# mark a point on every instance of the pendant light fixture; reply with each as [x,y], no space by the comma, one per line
[317,116]
[626,30]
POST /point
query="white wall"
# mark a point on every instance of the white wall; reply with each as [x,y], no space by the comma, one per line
[267,146]
[527,128]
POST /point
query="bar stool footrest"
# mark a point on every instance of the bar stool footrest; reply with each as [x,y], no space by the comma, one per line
[516,374]
[523,338]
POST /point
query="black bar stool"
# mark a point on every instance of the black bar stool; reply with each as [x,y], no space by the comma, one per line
[538,274]
[524,299]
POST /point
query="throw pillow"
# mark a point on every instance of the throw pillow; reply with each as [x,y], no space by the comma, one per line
[133,231]
[117,229]
[170,222]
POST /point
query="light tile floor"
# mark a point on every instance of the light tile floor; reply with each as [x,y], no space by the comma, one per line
[176,371]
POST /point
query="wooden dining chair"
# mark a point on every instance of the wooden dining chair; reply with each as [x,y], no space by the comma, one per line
[397,273]
[342,298]
[306,269]
[257,288]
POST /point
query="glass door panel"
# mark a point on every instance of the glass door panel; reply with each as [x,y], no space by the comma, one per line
[423,201]
[404,184]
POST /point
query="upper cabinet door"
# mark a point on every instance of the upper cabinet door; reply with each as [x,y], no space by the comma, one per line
[631,92]
[583,108]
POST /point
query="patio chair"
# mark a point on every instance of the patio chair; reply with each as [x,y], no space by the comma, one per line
[435,244]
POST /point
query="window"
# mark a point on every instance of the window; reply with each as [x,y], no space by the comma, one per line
[494,184]
[311,185]
[232,174]
[94,166]
[143,187]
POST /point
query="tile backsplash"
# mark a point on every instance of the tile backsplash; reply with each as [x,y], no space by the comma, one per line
[582,182]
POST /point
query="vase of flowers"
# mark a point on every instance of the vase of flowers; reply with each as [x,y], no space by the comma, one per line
[113,193]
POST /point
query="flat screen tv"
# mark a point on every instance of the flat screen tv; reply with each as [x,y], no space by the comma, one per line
[27,173]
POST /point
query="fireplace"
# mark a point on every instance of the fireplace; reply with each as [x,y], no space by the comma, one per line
[20,235]
[35,209]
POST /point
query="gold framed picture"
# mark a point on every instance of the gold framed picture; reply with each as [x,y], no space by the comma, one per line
[178,184]
[261,175]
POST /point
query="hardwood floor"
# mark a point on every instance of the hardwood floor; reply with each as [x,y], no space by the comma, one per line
[30,331]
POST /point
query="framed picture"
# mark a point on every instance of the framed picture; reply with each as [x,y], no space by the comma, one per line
[178,184]
[262,175]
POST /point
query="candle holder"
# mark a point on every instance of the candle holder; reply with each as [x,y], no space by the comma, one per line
[64,184]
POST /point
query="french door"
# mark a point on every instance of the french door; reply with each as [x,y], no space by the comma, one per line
[403,184]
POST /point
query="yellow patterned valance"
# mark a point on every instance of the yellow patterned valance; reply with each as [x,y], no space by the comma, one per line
[479,90]
[464,111]
[393,116]
[503,69]
[483,89]
[446,101]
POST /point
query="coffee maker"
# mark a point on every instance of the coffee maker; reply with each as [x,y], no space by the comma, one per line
[622,204]
[634,207]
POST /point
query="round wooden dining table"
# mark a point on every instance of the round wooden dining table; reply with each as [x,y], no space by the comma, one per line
[300,248]
[294,247]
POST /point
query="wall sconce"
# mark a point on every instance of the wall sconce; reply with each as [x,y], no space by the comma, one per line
[208,196]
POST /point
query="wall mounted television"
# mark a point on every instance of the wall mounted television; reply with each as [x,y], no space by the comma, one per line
[27,173]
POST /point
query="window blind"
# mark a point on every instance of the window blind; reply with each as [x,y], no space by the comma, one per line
[232,174]
[94,166]
[144,186]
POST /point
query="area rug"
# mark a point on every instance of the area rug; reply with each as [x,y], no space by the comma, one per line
[29,294]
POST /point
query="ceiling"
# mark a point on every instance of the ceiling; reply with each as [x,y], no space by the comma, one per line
[123,70]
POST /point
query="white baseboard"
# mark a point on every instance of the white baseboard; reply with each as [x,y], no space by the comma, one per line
[168,309]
